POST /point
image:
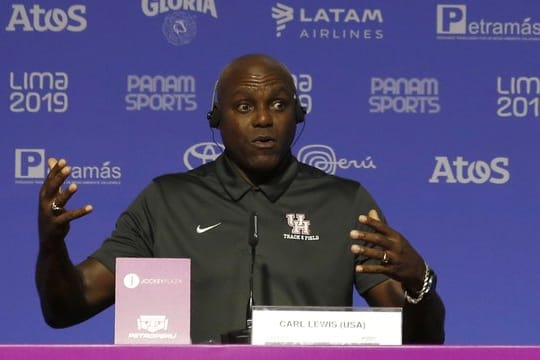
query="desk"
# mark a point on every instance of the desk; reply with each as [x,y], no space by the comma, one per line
[248,352]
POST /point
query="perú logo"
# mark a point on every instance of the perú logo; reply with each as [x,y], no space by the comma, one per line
[282,14]
[298,223]
[476,172]
[324,158]
[47,20]
[202,153]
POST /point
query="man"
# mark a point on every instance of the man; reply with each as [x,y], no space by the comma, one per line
[319,234]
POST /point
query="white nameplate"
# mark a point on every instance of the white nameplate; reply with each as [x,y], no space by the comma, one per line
[273,325]
[152,301]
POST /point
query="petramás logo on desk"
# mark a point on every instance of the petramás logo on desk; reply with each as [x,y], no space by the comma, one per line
[152,301]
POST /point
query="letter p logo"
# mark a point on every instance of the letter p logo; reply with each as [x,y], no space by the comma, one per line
[29,163]
[451,19]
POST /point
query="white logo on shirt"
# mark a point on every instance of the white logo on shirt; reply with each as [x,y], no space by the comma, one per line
[201,230]
[300,228]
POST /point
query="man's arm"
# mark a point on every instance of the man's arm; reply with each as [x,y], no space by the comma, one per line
[423,323]
[69,294]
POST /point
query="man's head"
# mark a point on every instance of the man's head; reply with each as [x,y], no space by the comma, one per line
[257,110]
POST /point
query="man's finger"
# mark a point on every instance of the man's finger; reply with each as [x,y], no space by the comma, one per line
[51,162]
[374,214]
[74,214]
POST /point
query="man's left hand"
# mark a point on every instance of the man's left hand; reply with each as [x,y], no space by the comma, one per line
[398,259]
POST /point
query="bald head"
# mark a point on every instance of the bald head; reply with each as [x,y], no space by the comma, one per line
[255,67]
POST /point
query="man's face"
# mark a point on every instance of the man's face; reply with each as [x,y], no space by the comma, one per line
[257,117]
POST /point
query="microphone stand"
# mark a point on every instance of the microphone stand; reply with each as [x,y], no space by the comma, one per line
[243,336]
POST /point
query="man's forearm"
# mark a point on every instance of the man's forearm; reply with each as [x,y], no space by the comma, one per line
[423,323]
[60,288]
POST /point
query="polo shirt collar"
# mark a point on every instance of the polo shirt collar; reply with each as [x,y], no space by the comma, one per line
[237,187]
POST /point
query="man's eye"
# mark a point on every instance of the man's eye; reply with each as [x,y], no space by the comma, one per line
[279,105]
[243,107]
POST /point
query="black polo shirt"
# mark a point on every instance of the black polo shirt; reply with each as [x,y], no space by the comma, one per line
[303,254]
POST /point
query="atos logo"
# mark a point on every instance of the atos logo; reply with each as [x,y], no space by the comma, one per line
[202,153]
[40,20]
[460,171]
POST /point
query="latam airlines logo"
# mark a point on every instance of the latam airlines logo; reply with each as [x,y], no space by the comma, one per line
[328,23]
[179,26]
[323,157]
[460,171]
[30,168]
[35,18]
[455,23]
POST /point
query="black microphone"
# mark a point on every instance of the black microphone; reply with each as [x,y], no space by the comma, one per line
[243,336]
[253,241]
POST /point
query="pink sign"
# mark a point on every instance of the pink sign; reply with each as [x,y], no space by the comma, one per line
[152,301]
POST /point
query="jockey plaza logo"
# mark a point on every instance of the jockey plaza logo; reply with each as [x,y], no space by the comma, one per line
[460,171]
[40,19]
[30,168]
[179,25]
[328,23]
[323,157]
[454,23]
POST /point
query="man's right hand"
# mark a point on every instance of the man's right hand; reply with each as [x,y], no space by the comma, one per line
[53,217]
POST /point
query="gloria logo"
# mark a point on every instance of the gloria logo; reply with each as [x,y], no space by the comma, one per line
[329,23]
[179,27]
[404,95]
[202,153]
[161,93]
[324,158]
[454,22]
[30,168]
[35,18]
[460,171]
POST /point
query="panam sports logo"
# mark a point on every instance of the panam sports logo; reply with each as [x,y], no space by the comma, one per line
[455,22]
[161,92]
[330,23]
[179,25]
[31,168]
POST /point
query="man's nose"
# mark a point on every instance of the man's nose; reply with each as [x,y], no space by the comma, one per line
[262,117]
